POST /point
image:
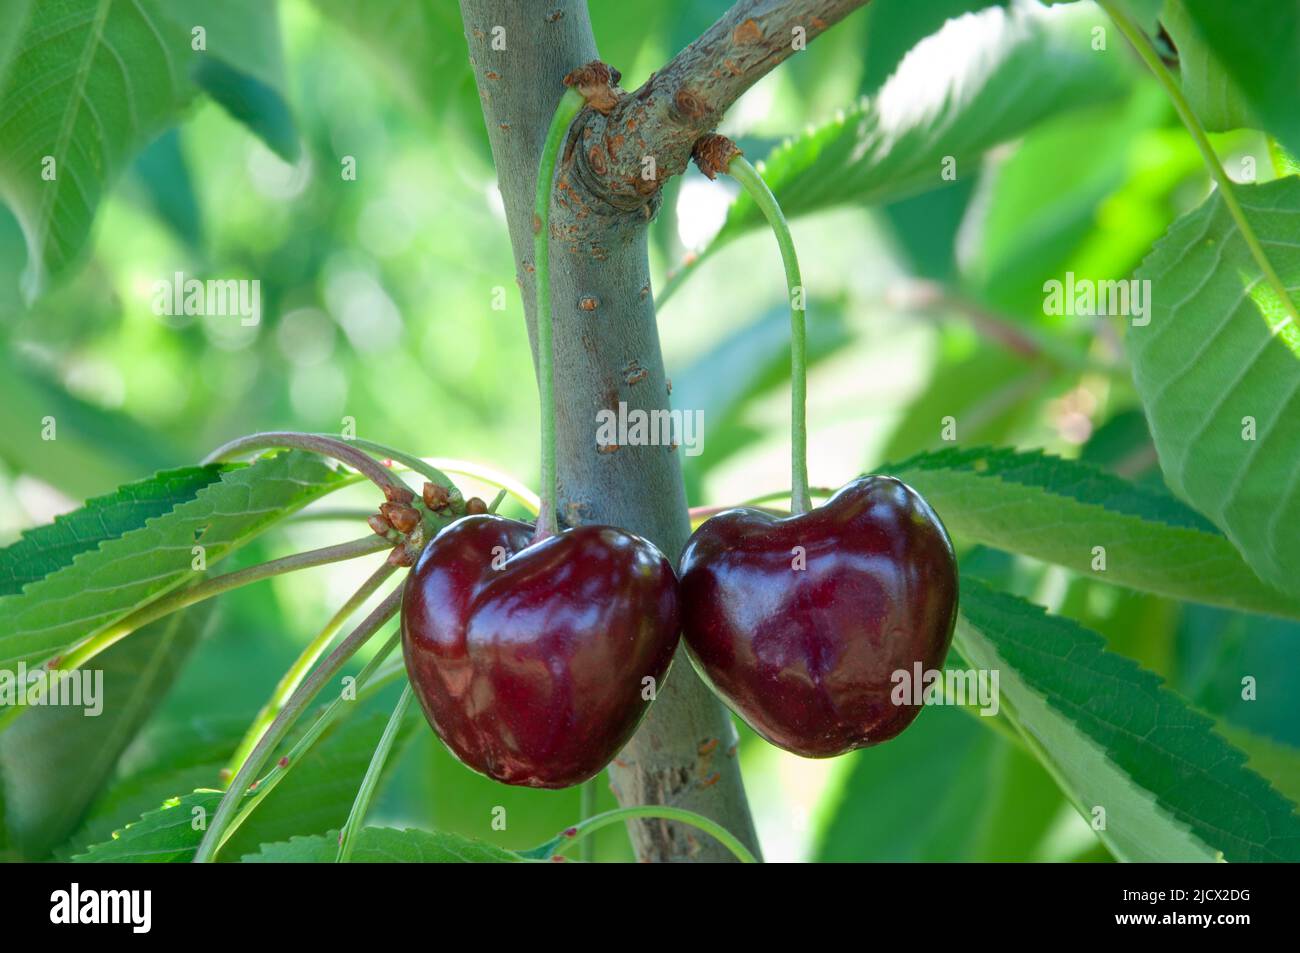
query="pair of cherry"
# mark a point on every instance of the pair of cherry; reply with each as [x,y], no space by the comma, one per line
[535,661]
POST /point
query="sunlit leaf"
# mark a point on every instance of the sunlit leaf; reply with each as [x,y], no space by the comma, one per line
[1075,515]
[1218,370]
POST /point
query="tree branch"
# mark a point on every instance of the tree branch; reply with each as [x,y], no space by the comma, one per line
[606,342]
[685,100]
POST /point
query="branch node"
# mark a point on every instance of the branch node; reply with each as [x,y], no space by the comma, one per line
[713,153]
[598,84]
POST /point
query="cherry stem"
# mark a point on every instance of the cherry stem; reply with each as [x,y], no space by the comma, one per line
[331,447]
[293,708]
[411,461]
[348,835]
[370,680]
[744,173]
[569,106]
[587,810]
[302,665]
[590,825]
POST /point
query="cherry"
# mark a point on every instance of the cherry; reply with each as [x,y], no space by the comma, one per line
[530,659]
[806,655]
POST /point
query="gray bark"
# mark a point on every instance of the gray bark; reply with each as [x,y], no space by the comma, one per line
[606,342]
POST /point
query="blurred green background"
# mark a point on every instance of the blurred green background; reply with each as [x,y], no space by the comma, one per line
[378,305]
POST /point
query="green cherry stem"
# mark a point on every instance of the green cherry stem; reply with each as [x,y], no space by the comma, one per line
[740,169]
[370,680]
[570,105]
[302,665]
[315,443]
[348,836]
[284,721]
[587,810]
[409,460]
[589,826]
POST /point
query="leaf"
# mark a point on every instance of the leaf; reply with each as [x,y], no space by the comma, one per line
[101,586]
[420,45]
[983,79]
[95,448]
[1218,371]
[164,179]
[1213,96]
[317,795]
[1278,762]
[55,760]
[910,801]
[753,359]
[1258,44]
[385,845]
[989,392]
[167,835]
[1058,510]
[243,66]
[895,26]
[47,549]
[1116,739]
[314,797]
[88,84]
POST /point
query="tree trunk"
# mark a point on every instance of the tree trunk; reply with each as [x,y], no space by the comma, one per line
[606,341]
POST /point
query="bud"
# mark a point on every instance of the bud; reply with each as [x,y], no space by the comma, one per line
[380,525]
[400,556]
[398,494]
[435,497]
[474,506]
[404,518]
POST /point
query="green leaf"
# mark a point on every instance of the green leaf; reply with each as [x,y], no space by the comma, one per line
[47,549]
[752,360]
[101,586]
[88,84]
[386,845]
[1258,44]
[910,801]
[168,835]
[1115,738]
[315,797]
[983,79]
[243,66]
[1218,371]
[1025,502]
[1211,92]
[94,449]
[1278,762]
[420,46]
[55,760]
[163,177]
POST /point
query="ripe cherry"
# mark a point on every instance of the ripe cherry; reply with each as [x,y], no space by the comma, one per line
[531,660]
[800,622]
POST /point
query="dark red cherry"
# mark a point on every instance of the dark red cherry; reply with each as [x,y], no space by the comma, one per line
[799,623]
[531,661]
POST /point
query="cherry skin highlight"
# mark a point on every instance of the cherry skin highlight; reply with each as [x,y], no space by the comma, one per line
[530,660]
[807,656]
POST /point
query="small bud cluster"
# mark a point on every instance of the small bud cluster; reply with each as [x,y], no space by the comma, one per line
[405,519]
